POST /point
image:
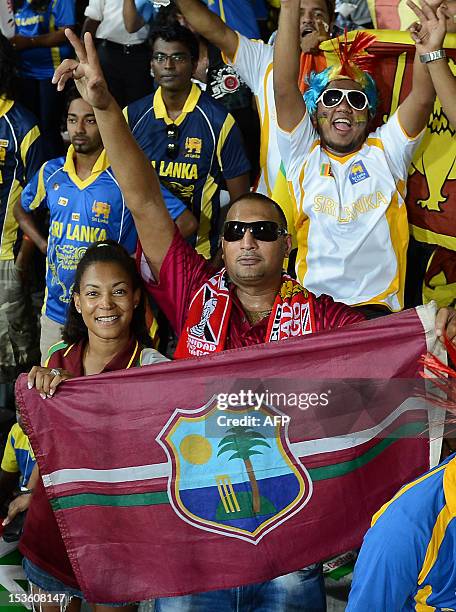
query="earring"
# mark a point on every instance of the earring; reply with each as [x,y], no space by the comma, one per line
[79,310]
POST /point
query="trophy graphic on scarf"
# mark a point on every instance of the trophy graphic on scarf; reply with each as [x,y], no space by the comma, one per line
[209,307]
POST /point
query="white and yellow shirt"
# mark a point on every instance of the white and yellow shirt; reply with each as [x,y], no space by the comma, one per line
[349,213]
[253,62]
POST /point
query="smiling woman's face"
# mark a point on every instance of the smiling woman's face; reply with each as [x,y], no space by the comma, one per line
[107,300]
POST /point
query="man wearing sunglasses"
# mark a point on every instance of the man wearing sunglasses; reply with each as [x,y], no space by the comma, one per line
[192,140]
[348,185]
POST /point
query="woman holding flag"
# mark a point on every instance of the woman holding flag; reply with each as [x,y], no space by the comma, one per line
[105,331]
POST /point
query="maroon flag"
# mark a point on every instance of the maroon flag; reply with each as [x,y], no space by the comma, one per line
[234,468]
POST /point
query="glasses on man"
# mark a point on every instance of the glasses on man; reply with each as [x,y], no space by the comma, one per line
[332,97]
[172,148]
[176,58]
[266,231]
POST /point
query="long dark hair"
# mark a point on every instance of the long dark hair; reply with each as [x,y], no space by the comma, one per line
[107,251]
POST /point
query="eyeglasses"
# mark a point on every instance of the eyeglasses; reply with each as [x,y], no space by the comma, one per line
[266,231]
[176,58]
[172,148]
[332,97]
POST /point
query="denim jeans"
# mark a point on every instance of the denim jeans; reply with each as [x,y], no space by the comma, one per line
[302,591]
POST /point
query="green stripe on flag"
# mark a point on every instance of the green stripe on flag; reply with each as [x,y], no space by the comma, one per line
[161,497]
[97,499]
[340,469]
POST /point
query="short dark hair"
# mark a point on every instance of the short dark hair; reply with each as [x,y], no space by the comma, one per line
[174,32]
[71,94]
[8,69]
[106,251]
[251,196]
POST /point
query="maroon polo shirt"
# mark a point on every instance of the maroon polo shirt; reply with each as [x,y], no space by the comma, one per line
[184,271]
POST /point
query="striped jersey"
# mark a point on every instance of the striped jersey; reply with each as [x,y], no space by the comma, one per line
[408,558]
[20,157]
[41,62]
[80,212]
[349,213]
[210,151]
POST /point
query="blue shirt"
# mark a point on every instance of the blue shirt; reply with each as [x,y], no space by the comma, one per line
[209,151]
[237,14]
[21,156]
[41,62]
[81,212]
[408,558]
[146,10]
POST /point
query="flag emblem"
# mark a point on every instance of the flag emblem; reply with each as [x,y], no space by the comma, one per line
[233,471]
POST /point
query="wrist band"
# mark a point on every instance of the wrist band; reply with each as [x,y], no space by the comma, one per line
[425,58]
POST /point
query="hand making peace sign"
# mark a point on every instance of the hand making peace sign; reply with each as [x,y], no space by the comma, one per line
[86,72]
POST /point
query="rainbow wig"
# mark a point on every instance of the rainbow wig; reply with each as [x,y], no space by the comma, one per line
[354,64]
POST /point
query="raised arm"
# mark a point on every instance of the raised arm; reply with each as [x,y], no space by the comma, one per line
[135,174]
[415,110]
[429,36]
[209,25]
[132,19]
[289,102]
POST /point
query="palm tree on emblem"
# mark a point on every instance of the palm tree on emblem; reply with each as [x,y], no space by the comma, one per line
[242,442]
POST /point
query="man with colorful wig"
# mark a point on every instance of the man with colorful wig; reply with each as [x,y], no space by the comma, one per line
[348,185]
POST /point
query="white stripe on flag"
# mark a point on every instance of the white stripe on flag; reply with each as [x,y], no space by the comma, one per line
[129,474]
[299,449]
[327,445]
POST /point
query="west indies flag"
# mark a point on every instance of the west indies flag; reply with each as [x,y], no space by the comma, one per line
[235,468]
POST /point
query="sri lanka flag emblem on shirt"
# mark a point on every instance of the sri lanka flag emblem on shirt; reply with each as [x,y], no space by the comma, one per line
[325,170]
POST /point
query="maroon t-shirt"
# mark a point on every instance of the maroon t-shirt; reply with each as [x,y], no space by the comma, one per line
[41,541]
[184,271]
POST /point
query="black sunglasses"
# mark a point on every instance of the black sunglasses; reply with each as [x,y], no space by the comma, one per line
[266,231]
[332,97]
[172,148]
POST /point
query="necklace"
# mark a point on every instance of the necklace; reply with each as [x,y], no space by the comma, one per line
[257,315]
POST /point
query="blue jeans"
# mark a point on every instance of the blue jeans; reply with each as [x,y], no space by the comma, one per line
[302,591]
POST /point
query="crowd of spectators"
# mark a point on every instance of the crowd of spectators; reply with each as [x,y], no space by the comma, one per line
[219,114]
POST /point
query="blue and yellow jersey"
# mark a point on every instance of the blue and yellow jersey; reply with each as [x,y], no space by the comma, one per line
[18,455]
[239,15]
[20,157]
[40,62]
[408,558]
[81,212]
[210,150]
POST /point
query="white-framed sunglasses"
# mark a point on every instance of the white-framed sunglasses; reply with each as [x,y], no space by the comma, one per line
[332,97]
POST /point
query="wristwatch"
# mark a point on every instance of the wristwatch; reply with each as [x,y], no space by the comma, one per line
[425,58]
